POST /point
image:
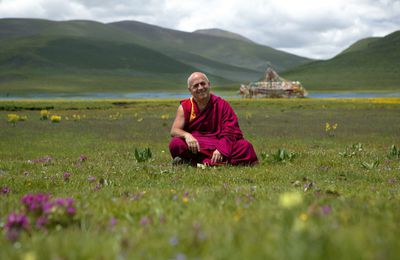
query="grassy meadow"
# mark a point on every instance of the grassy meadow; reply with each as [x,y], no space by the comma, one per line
[327,185]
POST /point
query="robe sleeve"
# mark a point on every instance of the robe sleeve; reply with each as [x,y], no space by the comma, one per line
[230,131]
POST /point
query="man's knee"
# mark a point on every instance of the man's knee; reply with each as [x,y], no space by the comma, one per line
[177,146]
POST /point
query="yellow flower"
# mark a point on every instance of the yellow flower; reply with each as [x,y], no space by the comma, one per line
[29,256]
[303,217]
[13,118]
[334,126]
[165,116]
[290,199]
[22,118]
[44,114]
[327,127]
[185,199]
[55,119]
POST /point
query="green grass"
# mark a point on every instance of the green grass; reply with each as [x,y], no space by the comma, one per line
[166,212]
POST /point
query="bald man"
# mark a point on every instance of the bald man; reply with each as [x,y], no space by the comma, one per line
[206,129]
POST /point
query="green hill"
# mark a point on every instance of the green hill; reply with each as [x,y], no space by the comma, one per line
[223,33]
[84,56]
[369,64]
[234,52]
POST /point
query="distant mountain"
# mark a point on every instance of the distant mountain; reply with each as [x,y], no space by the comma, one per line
[368,64]
[223,33]
[233,52]
[41,55]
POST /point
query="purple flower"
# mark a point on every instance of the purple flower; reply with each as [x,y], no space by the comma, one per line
[46,159]
[5,190]
[145,221]
[97,187]
[82,158]
[326,209]
[41,222]
[35,202]
[15,224]
[91,179]
[173,241]
[113,221]
[66,176]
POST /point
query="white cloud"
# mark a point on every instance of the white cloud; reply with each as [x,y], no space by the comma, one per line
[311,28]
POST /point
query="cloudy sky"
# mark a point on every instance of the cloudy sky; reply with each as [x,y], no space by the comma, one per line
[311,28]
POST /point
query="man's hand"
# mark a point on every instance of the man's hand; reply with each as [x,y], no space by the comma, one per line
[192,143]
[216,157]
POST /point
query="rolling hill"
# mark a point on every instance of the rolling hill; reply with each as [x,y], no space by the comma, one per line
[84,56]
[368,64]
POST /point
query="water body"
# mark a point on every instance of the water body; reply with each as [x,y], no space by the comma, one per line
[178,96]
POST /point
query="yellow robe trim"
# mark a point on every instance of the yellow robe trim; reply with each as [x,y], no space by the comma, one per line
[192,112]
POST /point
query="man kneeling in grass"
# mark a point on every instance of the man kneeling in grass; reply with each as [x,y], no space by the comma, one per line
[206,129]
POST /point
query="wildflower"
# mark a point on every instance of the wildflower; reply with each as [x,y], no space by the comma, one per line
[326,209]
[113,221]
[45,159]
[248,116]
[185,198]
[13,118]
[66,176]
[290,199]
[145,221]
[41,222]
[91,179]
[23,118]
[59,211]
[327,127]
[173,241]
[330,128]
[15,224]
[303,217]
[55,119]
[98,186]
[82,158]
[29,256]
[5,190]
[165,117]
[35,202]
[44,114]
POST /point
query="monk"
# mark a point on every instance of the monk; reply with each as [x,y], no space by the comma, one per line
[206,129]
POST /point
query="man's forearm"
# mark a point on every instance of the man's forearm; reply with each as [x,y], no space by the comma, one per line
[176,132]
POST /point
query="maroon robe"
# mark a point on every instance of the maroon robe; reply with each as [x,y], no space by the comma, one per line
[216,127]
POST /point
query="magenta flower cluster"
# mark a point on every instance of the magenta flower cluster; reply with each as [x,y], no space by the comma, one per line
[41,210]
[15,224]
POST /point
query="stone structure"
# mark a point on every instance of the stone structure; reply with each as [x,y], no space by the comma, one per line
[273,86]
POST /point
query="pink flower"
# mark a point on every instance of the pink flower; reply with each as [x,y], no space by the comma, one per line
[5,190]
[91,179]
[66,176]
[15,224]
[326,209]
[82,158]
[35,202]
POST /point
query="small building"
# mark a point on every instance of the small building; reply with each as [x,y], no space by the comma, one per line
[273,86]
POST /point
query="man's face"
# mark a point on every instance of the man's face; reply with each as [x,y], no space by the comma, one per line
[199,87]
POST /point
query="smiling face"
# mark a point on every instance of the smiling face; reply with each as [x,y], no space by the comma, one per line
[199,86]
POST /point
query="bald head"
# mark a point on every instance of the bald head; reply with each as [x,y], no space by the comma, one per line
[196,75]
